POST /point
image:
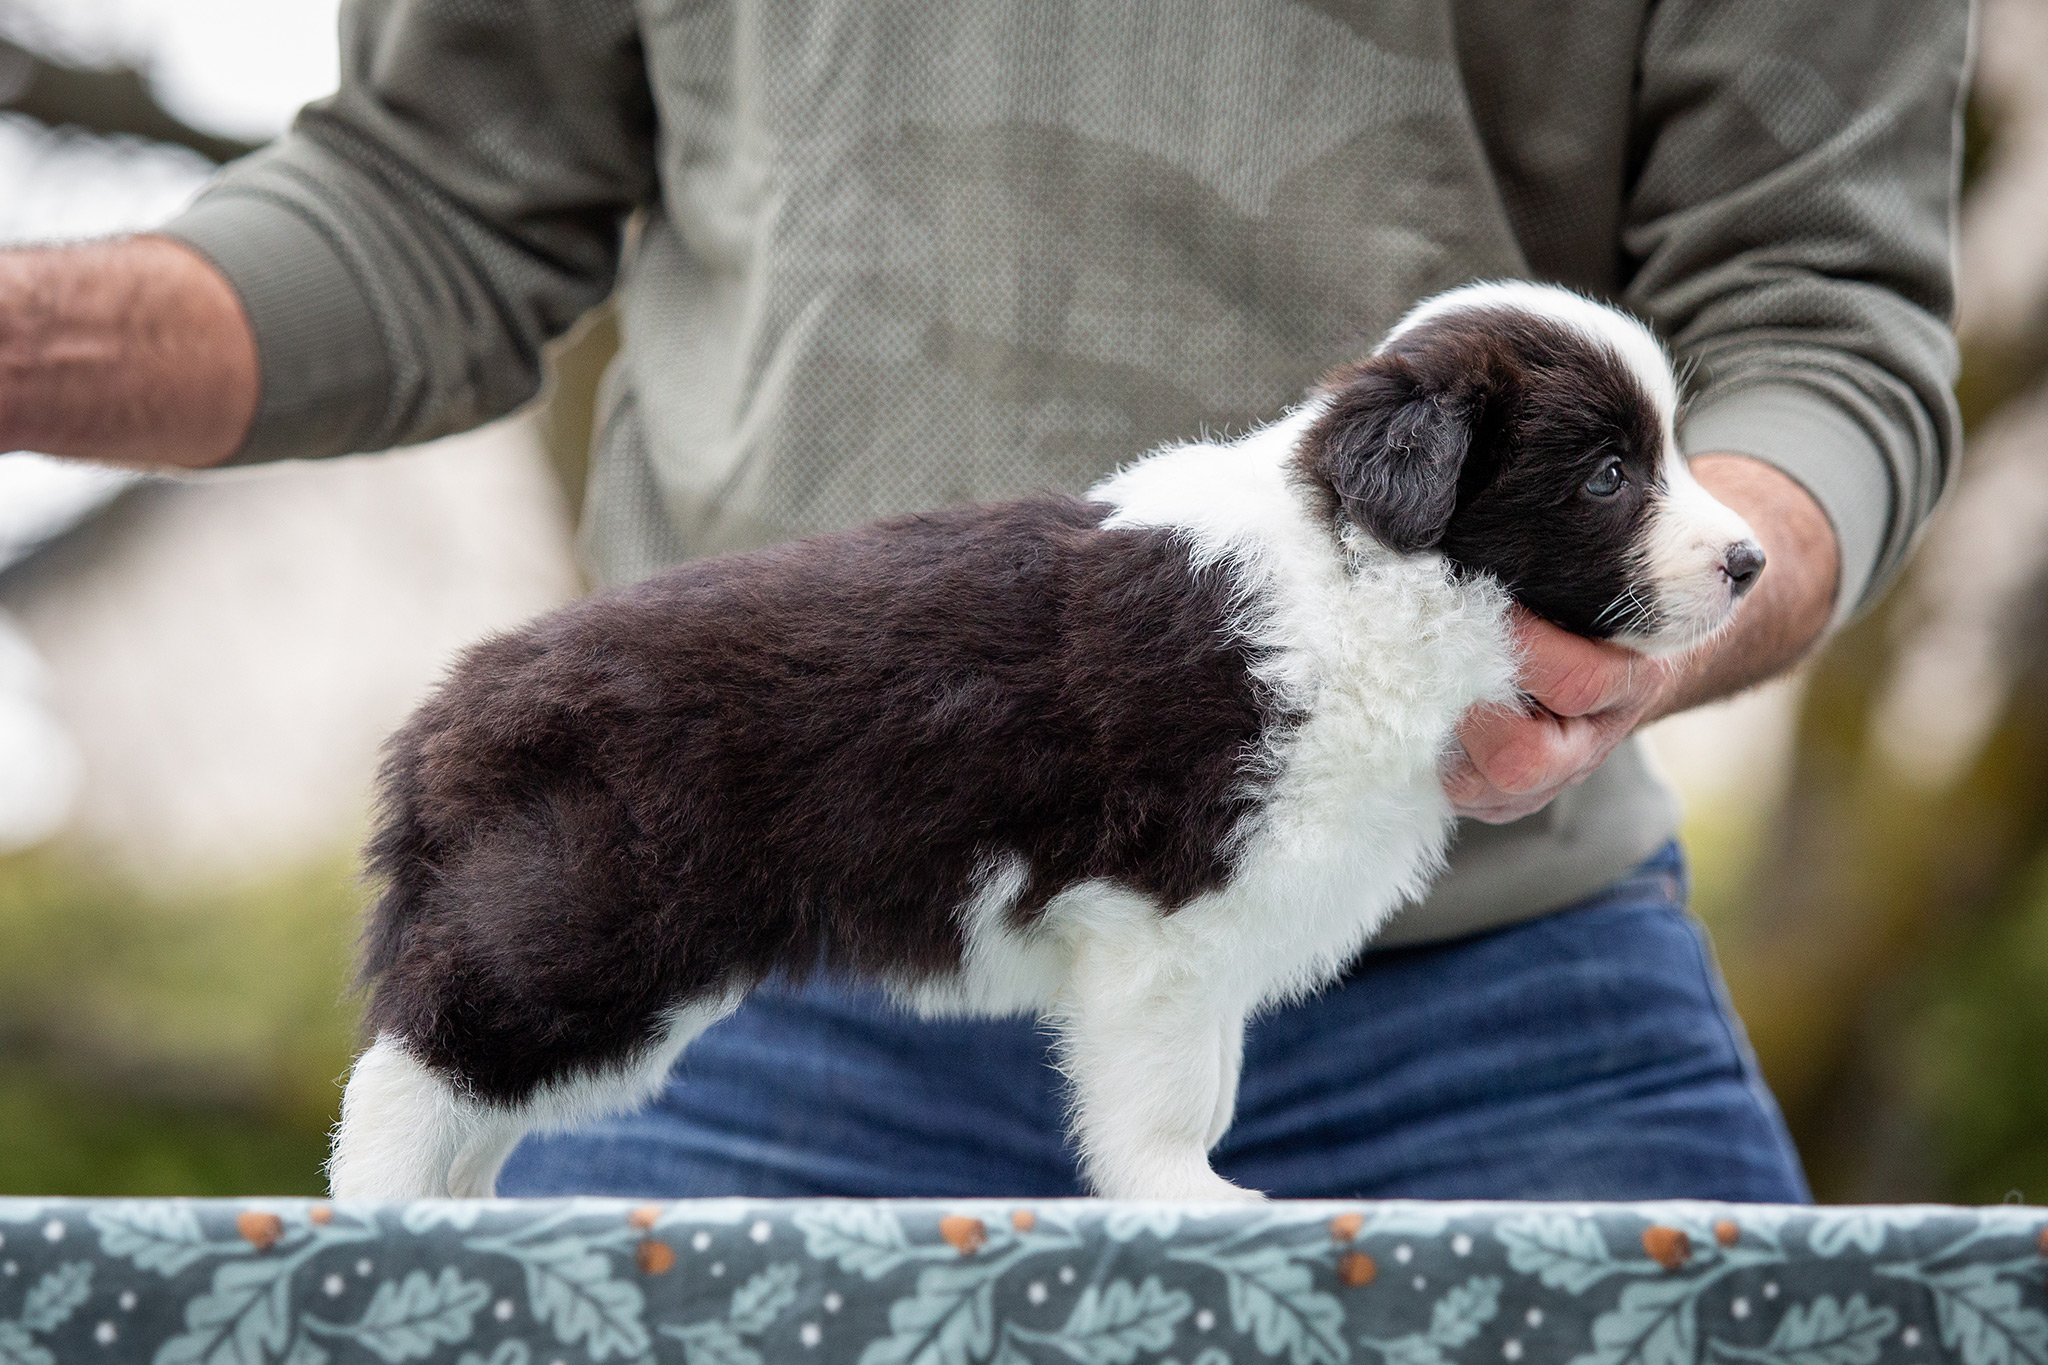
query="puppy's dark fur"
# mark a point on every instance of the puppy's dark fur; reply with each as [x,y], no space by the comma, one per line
[797,758]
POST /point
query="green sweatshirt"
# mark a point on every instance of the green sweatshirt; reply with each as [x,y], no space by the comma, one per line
[874,256]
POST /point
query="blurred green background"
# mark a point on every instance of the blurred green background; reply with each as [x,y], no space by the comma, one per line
[1870,838]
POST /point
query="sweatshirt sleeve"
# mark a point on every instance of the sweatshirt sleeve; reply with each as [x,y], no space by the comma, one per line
[405,251]
[1789,227]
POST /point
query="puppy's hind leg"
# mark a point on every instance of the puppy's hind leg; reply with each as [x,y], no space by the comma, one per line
[408,1132]
[404,1127]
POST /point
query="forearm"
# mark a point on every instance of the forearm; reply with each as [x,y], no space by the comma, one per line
[133,351]
[1787,612]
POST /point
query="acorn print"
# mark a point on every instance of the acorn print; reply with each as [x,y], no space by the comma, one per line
[259,1230]
[1668,1247]
[965,1235]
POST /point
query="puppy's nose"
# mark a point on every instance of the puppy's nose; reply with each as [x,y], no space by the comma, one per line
[1742,562]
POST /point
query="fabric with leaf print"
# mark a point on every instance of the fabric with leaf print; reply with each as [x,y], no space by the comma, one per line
[732,1282]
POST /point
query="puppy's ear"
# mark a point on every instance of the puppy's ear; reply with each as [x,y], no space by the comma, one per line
[1392,452]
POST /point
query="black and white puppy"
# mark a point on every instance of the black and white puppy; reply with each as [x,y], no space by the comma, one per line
[1141,763]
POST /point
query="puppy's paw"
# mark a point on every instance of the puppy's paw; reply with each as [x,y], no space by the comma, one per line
[1223,1192]
[1179,1182]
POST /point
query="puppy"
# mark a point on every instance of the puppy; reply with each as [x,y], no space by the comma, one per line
[1141,763]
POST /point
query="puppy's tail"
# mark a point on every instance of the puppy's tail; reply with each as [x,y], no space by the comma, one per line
[406,1132]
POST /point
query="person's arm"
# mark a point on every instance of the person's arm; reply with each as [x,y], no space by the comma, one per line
[387,272]
[128,352]
[1788,230]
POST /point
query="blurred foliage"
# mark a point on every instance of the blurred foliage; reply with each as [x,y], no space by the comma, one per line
[1886,943]
[170,1044]
[1889,951]
[1977,1051]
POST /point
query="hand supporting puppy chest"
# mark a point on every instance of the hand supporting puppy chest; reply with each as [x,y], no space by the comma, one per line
[1141,764]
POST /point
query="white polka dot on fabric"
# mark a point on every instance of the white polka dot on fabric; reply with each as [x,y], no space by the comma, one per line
[127,1301]
[503,1310]
[700,1241]
[1534,1317]
[1511,1349]
[761,1231]
[810,1334]
[1036,1292]
[1740,1308]
[833,1302]
[104,1334]
[1461,1245]
[332,1286]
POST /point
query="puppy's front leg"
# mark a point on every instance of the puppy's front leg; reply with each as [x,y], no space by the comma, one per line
[1150,1054]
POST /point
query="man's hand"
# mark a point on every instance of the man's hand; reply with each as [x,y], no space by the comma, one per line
[133,351]
[1587,696]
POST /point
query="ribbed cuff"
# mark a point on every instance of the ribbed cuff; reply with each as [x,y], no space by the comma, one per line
[1826,449]
[325,376]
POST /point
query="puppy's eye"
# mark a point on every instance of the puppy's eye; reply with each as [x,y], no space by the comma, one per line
[1608,481]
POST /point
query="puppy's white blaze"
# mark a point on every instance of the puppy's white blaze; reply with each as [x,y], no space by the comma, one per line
[1687,539]
[1611,328]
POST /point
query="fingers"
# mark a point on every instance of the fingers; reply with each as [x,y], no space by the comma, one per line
[1584,696]
[1465,786]
[1518,753]
[1474,797]
[1507,810]
[1570,675]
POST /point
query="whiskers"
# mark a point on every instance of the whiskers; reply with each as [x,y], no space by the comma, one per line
[1629,614]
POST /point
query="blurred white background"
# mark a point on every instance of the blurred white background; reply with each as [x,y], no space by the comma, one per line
[234,67]
[195,674]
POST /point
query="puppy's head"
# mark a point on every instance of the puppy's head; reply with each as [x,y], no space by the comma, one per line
[1527,432]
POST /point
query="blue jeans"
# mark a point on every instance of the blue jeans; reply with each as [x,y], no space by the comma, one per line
[1588,1054]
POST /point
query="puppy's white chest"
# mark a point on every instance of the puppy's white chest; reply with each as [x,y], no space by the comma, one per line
[1356,826]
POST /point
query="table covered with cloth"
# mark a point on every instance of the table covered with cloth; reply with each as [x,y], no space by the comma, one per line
[302,1282]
